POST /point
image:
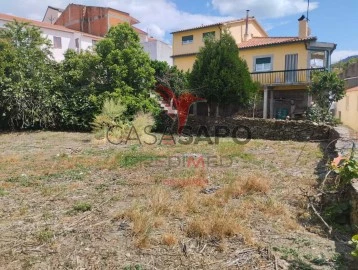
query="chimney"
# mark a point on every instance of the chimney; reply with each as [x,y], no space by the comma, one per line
[303,29]
[246,36]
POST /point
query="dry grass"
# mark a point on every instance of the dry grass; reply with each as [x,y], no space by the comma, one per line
[132,213]
[169,239]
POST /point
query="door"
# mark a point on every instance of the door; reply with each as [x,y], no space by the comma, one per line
[291,65]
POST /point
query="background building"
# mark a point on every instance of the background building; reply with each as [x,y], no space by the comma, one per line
[61,37]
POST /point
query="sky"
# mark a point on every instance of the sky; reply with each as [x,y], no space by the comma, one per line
[330,21]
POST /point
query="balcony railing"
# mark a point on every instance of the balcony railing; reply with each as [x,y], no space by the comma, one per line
[351,82]
[282,77]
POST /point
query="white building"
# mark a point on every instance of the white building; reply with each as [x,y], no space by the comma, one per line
[61,37]
[52,14]
[158,50]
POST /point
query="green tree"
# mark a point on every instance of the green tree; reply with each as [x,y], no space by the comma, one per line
[127,73]
[171,76]
[78,90]
[220,75]
[27,73]
[325,89]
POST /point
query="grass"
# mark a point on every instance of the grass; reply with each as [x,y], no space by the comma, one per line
[82,207]
[145,215]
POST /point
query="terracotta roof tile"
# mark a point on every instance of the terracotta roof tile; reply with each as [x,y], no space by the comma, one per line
[265,41]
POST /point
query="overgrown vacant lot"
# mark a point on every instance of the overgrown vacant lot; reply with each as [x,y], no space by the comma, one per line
[68,201]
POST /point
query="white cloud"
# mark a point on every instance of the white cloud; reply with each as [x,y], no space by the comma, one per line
[162,16]
[342,54]
[262,8]
[158,16]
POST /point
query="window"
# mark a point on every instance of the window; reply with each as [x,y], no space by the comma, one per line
[77,41]
[57,42]
[187,39]
[263,64]
[209,35]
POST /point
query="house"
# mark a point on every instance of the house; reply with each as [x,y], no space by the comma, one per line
[282,65]
[62,38]
[95,20]
[98,20]
[158,50]
[52,14]
[347,108]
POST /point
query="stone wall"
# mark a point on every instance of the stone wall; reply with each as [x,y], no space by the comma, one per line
[261,128]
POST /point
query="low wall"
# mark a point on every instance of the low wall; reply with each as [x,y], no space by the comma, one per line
[263,128]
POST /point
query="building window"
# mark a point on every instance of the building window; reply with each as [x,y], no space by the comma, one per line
[57,42]
[209,35]
[263,64]
[77,41]
[187,39]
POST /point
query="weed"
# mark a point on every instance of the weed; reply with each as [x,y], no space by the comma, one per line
[45,236]
[135,267]
[131,159]
[82,207]
[2,192]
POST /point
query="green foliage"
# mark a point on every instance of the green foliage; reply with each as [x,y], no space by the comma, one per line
[355,243]
[171,76]
[78,90]
[127,71]
[326,88]
[348,170]
[36,92]
[27,76]
[317,114]
[220,75]
[82,207]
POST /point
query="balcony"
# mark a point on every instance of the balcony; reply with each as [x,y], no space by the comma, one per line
[285,77]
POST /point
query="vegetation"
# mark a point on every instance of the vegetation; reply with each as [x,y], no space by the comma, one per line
[326,88]
[171,76]
[37,92]
[27,78]
[220,75]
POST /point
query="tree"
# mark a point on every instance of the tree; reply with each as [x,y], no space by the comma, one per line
[127,73]
[219,75]
[171,76]
[78,90]
[325,89]
[27,73]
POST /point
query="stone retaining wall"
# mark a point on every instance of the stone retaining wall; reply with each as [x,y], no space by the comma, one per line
[266,129]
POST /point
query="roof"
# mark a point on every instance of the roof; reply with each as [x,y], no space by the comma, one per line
[55,8]
[222,23]
[269,41]
[208,25]
[139,31]
[10,18]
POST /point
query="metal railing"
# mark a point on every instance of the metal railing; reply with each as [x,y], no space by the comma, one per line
[351,82]
[282,77]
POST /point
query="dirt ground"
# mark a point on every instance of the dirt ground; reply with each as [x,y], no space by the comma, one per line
[68,201]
